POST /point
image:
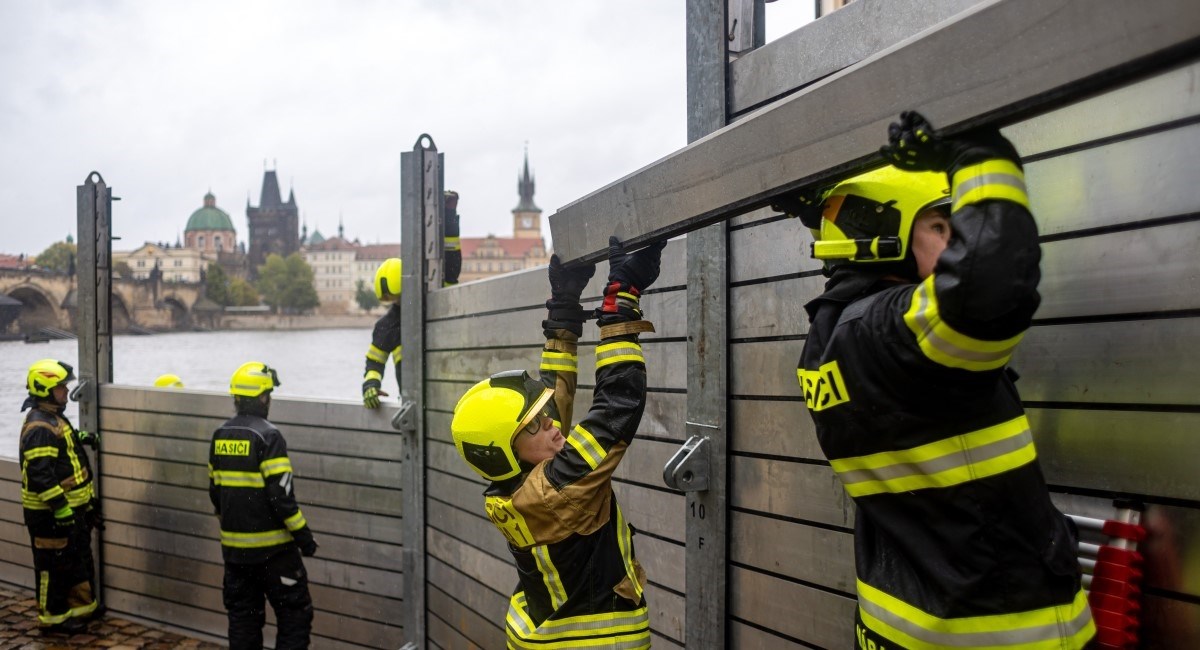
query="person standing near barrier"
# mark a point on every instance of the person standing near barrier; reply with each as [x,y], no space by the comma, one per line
[58,501]
[580,584]
[263,532]
[385,339]
[933,282]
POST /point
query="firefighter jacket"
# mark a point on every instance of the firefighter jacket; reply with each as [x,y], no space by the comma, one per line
[55,470]
[385,340]
[957,543]
[580,582]
[250,484]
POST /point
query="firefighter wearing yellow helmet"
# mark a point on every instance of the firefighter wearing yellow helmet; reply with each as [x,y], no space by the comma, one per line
[385,338]
[904,372]
[263,531]
[550,495]
[59,504]
[168,381]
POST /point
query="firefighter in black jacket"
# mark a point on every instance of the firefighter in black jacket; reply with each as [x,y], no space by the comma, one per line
[580,584]
[932,285]
[263,532]
[59,504]
[385,339]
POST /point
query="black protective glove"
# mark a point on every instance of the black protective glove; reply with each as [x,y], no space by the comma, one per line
[628,275]
[92,516]
[913,145]
[804,203]
[566,284]
[88,438]
[308,547]
[64,519]
[638,269]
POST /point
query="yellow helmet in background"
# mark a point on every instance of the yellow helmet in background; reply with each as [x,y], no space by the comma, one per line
[489,416]
[168,381]
[46,374]
[869,218]
[252,379]
[387,280]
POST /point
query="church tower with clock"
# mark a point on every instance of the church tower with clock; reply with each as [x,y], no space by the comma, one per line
[527,217]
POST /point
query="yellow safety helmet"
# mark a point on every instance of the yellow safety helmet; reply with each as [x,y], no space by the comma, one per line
[252,379]
[869,218]
[387,280]
[46,374]
[168,381]
[488,418]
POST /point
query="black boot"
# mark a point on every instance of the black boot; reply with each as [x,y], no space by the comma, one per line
[68,627]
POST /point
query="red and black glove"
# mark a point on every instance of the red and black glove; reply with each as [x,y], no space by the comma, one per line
[628,275]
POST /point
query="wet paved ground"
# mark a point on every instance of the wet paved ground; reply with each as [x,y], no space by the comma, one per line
[18,630]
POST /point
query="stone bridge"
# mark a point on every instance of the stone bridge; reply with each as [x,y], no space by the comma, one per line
[48,300]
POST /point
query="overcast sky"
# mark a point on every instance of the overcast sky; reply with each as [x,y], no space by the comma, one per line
[170,99]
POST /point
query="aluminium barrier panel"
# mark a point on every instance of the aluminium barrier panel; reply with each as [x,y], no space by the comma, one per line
[162,545]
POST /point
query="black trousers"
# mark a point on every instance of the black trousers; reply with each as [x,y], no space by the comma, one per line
[64,573]
[281,580]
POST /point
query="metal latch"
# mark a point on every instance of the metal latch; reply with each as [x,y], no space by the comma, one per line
[687,470]
[80,390]
[405,419]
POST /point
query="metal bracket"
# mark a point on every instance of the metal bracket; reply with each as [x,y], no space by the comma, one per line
[82,390]
[687,470]
[405,419]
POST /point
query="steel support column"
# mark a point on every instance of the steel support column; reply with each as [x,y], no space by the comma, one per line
[421,249]
[707,302]
[93,316]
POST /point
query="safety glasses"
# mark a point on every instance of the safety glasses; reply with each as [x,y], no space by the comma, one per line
[539,423]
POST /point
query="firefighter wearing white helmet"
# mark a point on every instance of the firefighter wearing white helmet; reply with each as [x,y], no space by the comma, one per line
[905,374]
[59,505]
[550,495]
[263,531]
[385,339]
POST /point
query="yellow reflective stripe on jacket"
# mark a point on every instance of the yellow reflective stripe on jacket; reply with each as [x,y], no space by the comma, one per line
[451,243]
[988,180]
[30,501]
[273,466]
[80,496]
[1059,627]
[588,447]
[942,344]
[397,357]
[296,521]
[559,361]
[629,630]
[553,582]
[620,352]
[255,540]
[373,374]
[51,494]
[625,542]
[952,461]
[228,478]
[377,355]
[41,452]
[77,470]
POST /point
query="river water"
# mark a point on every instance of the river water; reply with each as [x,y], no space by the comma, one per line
[326,364]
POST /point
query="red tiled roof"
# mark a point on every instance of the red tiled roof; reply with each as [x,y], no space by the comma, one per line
[12,262]
[512,247]
[378,251]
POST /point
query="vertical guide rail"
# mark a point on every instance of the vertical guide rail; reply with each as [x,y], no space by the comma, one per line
[93,318]
[707,358]
[420,229]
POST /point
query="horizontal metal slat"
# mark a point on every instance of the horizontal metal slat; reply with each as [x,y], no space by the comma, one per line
[1034,49]
[824,619]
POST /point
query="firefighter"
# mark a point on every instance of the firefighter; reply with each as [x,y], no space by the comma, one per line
[385,339]
[580,584]
[263,532]
[59,503]
[933,281]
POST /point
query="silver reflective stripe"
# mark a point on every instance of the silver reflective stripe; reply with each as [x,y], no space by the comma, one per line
[975,182]
[961,458]
[929,333]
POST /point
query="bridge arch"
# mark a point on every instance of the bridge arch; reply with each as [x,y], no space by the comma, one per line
[181,316]
[37,309]
[121,319]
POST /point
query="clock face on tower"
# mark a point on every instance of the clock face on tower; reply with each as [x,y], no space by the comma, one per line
[526,222]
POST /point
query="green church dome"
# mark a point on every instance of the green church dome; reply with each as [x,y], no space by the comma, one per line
[210,217]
